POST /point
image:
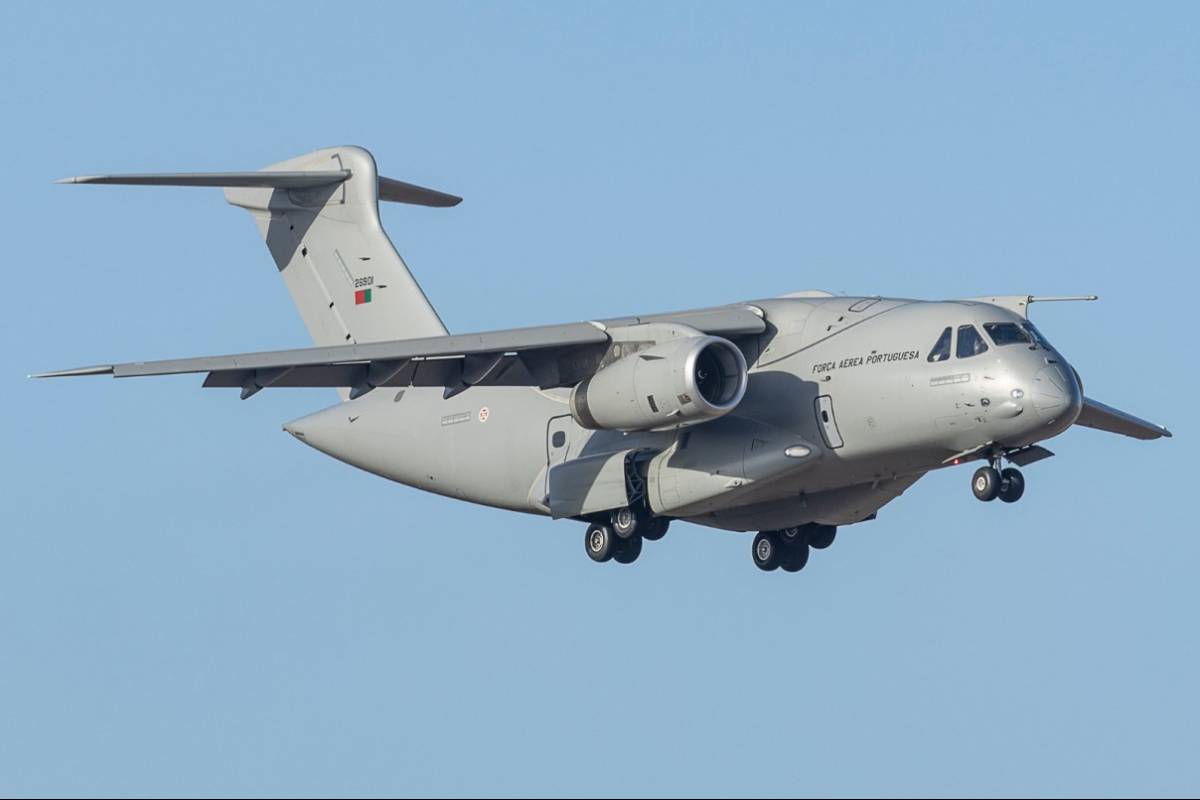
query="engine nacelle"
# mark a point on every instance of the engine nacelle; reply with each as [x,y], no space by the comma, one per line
[678,382]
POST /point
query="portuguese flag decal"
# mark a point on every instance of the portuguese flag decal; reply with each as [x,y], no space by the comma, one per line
[362,296]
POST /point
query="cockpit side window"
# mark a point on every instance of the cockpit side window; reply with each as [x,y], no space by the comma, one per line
[970,342]
[1003,333]
[1036,334]
[941,350]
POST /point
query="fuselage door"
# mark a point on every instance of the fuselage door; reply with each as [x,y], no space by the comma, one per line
[564,440]
[828,422]
[559,433]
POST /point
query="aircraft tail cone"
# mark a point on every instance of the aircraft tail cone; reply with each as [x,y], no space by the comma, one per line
[325,430]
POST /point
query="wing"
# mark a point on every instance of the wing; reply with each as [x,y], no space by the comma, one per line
[544,356]
[1106,418]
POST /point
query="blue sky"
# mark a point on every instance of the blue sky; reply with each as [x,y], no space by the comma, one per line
[192,603]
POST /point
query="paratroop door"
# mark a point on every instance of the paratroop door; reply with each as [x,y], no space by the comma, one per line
[828,422]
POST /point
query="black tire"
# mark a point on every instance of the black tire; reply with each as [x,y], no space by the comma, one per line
[794,557]
[1012,485]
[656,529]
[985,483]
[790,537]
[821,536]
[628,550]
[625,522]
[600,542]
[766,551]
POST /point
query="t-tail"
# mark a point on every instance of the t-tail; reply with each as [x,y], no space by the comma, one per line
[319,215]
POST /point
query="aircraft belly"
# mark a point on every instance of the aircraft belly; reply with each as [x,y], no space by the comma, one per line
[842,506]
[485,445]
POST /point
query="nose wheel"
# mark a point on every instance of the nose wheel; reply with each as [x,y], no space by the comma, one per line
[989,483]
[1012,485]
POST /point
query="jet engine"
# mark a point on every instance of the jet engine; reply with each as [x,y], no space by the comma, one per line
[673,383]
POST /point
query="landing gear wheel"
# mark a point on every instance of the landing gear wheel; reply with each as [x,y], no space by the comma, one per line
[985,483]
[625,522]
[628,550]
[655,529]
[790,537]
[821,536]
[1012,485]
[766,551]
[600,542]
[794,557]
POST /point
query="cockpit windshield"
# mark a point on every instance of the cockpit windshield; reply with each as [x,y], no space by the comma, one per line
[1004,333]
[970,342]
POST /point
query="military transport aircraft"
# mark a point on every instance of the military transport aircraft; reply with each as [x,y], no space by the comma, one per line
[788,416]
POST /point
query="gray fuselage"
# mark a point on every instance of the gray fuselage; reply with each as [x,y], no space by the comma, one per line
[849,379]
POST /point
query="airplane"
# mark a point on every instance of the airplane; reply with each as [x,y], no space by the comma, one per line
[787,417]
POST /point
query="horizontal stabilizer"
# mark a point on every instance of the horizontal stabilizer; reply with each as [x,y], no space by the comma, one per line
[400,192]
[389,189]
[1106,418]
[275,180]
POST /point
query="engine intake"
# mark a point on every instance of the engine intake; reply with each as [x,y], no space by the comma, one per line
[678,382]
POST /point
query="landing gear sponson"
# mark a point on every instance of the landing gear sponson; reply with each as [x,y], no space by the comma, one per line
[789,548]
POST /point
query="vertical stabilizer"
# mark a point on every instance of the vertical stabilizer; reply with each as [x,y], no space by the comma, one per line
[347,280]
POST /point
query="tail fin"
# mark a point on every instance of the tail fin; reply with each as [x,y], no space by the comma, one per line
[319,215]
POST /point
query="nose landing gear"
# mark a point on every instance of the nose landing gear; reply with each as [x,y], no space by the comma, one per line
[985,484]
[1012,485]
[991,482]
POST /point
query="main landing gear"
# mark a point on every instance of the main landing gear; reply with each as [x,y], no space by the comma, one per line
[991,482]
[789,548]
[620,537]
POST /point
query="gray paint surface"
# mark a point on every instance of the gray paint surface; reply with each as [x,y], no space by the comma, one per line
[844,406]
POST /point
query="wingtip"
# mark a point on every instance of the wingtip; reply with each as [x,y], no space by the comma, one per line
[103,369]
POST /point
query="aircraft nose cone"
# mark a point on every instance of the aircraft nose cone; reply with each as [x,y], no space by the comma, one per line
[1056,395]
